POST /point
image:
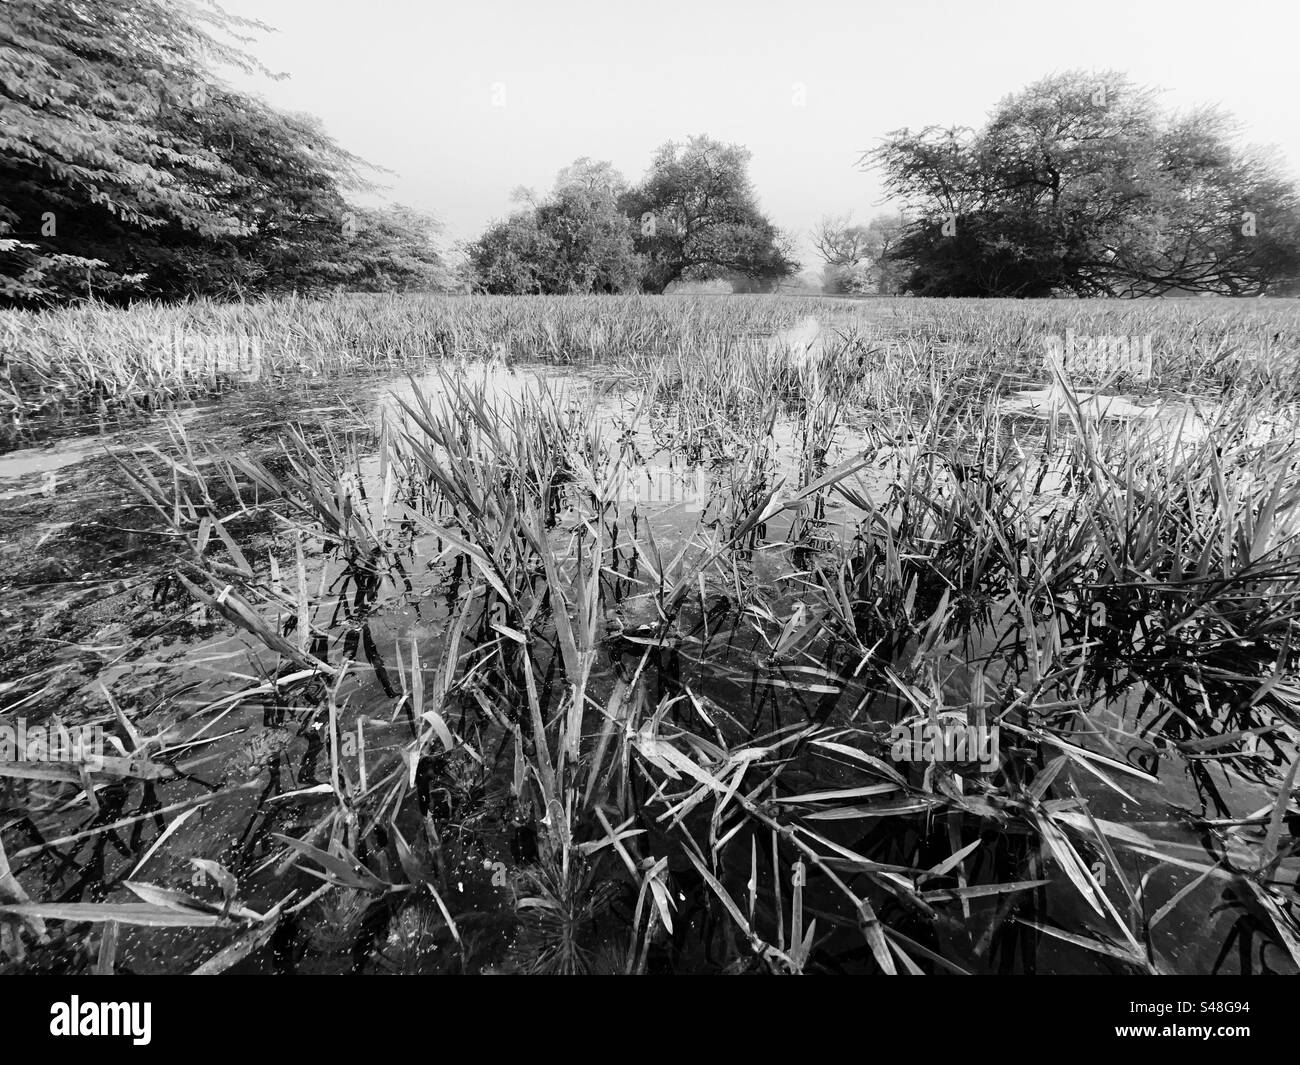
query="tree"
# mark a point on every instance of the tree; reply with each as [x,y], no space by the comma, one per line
[840,241]
[1081,184]
[282,188]
[592,238]
[505,260]
[575,240]
[394,249]
[859,257]
[696,218]
[128,170]
[596,177]
[82,85]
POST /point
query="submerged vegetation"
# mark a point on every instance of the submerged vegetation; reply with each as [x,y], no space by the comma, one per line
[97,361]
[460,695]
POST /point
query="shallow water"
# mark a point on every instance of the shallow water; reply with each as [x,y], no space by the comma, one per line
[1169,418]
[207,677]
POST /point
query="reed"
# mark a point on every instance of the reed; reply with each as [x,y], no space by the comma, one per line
[631,741]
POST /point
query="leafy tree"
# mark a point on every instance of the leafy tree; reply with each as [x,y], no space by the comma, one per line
[281,187]
[592,243]
[1081,184]
[575,240]
[859,257]
[595,176]
[840,241]
[393,249]
[505,260]
[82,83]
[127,170]
[696,218]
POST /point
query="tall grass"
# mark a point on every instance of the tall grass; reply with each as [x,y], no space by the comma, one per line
[675,736]
[94,359]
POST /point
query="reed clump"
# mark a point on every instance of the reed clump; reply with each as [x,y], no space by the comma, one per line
[601,735]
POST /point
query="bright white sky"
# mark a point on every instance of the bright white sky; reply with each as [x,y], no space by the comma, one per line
[408,84]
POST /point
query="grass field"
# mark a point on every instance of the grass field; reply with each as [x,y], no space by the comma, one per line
[636,634]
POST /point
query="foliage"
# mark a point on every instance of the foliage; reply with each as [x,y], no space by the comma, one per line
[1079,184]
[127,170]
[859,258]
[576,240]
[531,723]
[697,218]
[694,218]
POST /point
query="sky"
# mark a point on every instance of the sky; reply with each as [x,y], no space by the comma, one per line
[465,102]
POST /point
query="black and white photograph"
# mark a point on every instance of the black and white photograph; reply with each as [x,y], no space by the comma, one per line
[703,488]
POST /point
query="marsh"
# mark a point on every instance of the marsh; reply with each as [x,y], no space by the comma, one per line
[398,675]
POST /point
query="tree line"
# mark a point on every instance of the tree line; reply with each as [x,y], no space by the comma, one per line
[694,217]
[129,170]
[1078,185]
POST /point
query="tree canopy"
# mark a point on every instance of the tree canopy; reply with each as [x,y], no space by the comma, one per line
[693,218]
[697,218]
[858,256]
[1080,184]
[574,240]
[128,169]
